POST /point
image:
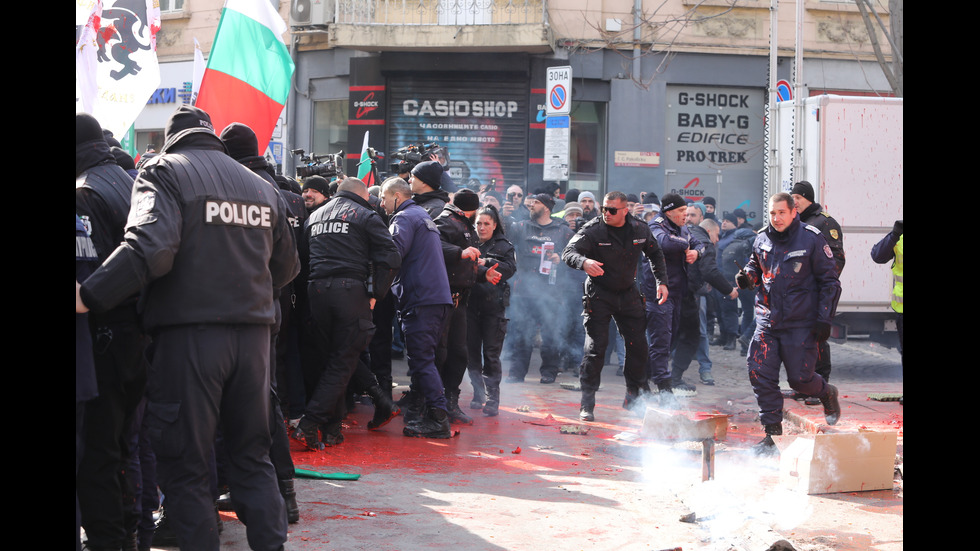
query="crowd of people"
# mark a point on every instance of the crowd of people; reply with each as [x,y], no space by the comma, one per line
[222,309]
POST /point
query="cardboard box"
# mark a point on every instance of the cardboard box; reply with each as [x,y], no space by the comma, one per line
[842,462]
[672,425]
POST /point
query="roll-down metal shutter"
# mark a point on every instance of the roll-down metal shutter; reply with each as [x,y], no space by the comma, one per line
[483,123]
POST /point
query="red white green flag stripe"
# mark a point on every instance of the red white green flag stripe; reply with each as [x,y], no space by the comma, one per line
[249,69]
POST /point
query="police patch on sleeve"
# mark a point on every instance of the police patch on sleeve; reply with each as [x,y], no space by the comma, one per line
[827,251]
[834,234]
[145,203]
[142,212]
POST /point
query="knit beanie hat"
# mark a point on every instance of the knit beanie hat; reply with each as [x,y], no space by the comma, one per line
[804,189]
[546,199]
[429,172]
[573,207]
[318,183]
[186,120]
[240,141]
[466,200]
[671,201]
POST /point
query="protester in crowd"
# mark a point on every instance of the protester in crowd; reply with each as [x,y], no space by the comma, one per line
[680,251]
[486,317]
[538,242]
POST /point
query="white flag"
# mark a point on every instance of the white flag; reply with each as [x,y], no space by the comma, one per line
[85,59]
[127,71]
[199,67]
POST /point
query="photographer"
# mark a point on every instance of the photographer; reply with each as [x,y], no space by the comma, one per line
[410,156]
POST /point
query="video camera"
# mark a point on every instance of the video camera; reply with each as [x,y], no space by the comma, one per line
[328,165]
[407,157]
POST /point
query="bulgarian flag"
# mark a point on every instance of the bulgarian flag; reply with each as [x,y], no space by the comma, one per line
[364,172]
[249,69]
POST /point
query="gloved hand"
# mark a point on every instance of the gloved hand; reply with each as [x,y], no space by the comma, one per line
[897,228]
[743,280]
[821,330]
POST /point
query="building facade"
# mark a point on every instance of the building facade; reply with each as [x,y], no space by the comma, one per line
[666,96]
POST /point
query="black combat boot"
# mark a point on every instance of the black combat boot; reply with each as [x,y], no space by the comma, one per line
[309,433]
[288,491]
[767,446]
[491,407]
[456,415]
[384,408]
[831,406]
[413,406]
[433,424]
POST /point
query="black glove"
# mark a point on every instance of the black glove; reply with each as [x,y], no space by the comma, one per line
[897,228]
[742,280]
[821,330]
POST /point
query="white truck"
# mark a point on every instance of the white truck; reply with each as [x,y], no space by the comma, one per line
[850,150]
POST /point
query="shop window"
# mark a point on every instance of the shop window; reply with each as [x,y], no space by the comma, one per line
[329,126]
[587,147]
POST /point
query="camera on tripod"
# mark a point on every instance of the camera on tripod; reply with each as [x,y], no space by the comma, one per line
[327,165]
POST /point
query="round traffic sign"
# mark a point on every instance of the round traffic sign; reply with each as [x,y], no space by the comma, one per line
[558,97]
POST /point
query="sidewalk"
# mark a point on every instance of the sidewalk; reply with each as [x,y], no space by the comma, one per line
[517,482]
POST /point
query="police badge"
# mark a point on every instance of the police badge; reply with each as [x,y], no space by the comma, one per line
[827,251]
[835,234]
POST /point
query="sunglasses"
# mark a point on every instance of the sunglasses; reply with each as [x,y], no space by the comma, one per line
[611,210]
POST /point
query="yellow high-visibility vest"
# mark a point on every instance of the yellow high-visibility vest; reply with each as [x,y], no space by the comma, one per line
[897,272]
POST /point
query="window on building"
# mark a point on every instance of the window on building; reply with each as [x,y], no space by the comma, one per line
[171,5]
[329,126]
[587,147]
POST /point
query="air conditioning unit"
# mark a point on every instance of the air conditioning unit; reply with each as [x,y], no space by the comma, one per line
[308,13]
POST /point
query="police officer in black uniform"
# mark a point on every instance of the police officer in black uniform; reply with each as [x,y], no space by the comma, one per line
[243,146]
[812,213]
[102,197]
[353,261]
[207,241]
[608,248]
[460,249]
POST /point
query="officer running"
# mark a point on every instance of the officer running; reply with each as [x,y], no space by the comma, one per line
[798,289]
[608,249]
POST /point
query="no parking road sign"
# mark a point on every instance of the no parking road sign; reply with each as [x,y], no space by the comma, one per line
[559,90]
